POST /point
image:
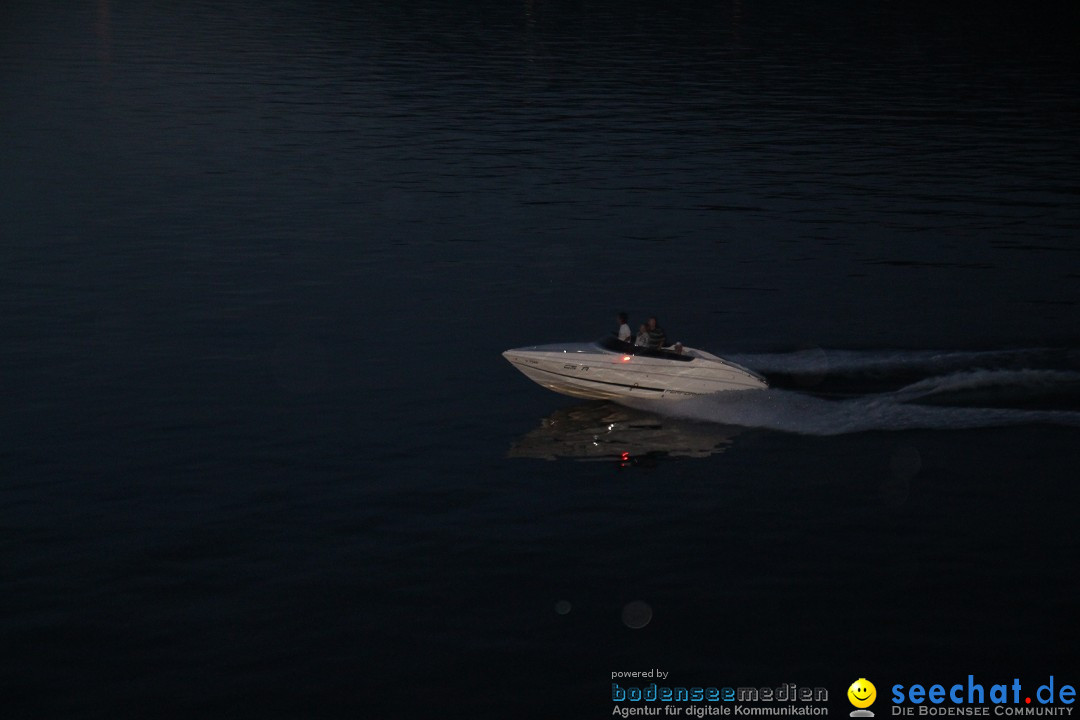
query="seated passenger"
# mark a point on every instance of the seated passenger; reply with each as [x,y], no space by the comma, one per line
[642,338]
[657,338]
[623,332]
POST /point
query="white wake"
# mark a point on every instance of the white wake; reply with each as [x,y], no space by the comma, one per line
[938,401]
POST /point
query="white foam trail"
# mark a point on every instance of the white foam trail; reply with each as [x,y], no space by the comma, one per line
[1027,380]
[797,412]
[819,361]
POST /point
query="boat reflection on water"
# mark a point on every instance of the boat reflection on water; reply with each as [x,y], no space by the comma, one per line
[606,432]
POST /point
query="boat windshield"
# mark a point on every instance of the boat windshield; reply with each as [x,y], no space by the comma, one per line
[614,344]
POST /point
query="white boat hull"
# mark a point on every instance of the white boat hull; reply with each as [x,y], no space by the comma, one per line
[586,370]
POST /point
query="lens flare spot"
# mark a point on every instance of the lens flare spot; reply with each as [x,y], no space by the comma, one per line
[637,614]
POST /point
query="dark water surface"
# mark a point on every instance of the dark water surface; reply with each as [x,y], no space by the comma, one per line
[260,456]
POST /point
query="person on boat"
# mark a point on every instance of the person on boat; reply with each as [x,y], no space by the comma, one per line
[624,329]
[657,338]
[642,339]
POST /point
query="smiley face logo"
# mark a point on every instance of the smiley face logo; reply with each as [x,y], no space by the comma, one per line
[862,693]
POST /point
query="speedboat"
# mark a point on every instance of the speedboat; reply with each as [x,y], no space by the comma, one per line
[610,369]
